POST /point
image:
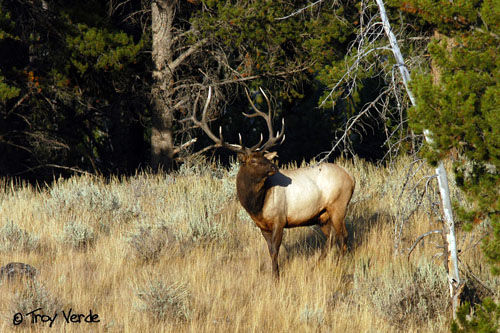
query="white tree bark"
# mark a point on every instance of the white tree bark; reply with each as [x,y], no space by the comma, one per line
[454,283]
[449,225]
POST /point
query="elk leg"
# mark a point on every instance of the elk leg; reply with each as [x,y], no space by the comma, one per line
[327,231]
[338,222]
[273,240]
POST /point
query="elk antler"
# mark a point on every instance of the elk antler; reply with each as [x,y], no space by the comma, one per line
[219,140]
[273,140]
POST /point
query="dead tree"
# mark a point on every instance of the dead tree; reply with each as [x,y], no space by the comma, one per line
[367,52]
[454,283]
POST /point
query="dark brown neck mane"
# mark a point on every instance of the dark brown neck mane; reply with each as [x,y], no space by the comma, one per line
[251,192]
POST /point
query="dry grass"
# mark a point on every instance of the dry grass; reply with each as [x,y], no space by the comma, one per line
[176,252]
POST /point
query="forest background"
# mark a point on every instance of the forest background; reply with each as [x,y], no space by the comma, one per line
[109,87]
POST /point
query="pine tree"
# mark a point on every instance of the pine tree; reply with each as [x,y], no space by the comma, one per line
[69,98]
[458,101]
[249,44]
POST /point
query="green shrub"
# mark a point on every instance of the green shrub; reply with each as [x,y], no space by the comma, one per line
[78,235]
[416,294]
[12,237]
[312,315]
[205,230]
[33,296]
[148,241]
[165,301]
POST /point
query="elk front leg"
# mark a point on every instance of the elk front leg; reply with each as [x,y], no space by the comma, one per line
[273,240]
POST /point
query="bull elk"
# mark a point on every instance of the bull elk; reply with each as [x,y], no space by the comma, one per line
[277,199]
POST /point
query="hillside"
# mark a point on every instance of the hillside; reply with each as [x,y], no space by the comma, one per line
[176,252]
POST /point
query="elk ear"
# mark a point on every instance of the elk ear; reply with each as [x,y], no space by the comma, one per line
[271,156]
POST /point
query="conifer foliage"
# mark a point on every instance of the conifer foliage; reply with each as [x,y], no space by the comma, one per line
[70,97]
[458,101]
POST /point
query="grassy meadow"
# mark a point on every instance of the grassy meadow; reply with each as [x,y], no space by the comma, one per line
[176,252]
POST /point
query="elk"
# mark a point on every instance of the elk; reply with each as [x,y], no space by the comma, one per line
[277,198]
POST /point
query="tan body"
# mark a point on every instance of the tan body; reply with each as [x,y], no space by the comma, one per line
[305,196]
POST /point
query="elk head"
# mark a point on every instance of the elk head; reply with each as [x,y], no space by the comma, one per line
[258,163]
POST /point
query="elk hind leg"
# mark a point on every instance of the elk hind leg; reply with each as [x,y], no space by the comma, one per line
[337,219]
[326,228]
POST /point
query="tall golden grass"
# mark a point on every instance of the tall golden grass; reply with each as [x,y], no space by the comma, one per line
[176,252]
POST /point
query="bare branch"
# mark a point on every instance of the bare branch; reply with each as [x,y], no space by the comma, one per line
[468,271]
[184,146]
[19,102]
[350,124]
[55,166]
[239,79]
[408,177]
[193,48]
[367,52]
[439,231]
[299,11]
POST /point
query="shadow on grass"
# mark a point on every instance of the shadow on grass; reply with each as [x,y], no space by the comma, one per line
[308,241]
[360,227]
[305,244]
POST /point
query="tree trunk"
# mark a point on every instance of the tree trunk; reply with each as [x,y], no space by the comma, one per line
[162,143]
[451,258]
[449,226]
